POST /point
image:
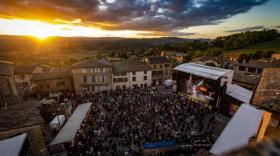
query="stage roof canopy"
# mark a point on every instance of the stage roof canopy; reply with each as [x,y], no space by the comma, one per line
[239,93]
[12,146]
[242,126]
[213,73]
[71,127]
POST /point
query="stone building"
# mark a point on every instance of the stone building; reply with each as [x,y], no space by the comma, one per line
[246,74]
[127,74]
[92,76]
[22,76]
[8,89]
[161,69]
[52,82]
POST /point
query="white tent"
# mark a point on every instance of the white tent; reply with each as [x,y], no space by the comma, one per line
[239,93]
[12,146]
[57,121]
[168,83]
[213,73]
[71,127]
[242,126]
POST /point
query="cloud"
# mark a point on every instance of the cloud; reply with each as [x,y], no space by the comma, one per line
[150,15]
[246,29]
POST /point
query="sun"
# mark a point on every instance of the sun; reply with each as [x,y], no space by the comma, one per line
[40,36]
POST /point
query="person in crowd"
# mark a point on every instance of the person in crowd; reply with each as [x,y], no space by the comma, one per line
[120,122]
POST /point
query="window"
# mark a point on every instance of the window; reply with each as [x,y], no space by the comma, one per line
[160,66]
[145,85]
[252,70]
[60,83]
[166,65]
[142,86]
[155,66]
[96,70]
[259,71]
[103,78]
[241,68]
[145,72]
[22,77]
[2,102]
[145,77]
[133,78]
[133,73]
[83,70]
[84,79]
[166,72]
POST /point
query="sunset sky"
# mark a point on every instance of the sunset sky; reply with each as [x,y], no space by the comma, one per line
[137,18]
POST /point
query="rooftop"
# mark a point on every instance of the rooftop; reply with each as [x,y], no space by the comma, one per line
[239,93]
[71,127]
[20,115]
[12,146]
[202,70]
[24,69]
[50,75]
[6,68]
[218,59]
[268,87]
[129,66]
[242,126]
[262,63]
[92,64]
[158,60]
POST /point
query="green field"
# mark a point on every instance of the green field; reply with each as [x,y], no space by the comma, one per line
[264,46]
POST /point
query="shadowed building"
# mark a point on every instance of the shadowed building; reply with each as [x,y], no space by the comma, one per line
[127,74]
[267,97]
[92,76]
[161,69]
[22,76]
[52,82]
[24,118]
[8,89]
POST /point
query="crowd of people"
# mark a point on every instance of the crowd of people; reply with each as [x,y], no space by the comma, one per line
[121,121]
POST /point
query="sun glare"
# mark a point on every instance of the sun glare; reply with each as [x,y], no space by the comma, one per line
[40,36]
[42,30]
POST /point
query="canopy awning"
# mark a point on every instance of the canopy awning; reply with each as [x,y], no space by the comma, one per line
[59,119]
[71,127]
[12,146]
[242,126]
[213,73]
[239,93]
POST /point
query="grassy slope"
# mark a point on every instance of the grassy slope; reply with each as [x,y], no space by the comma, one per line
[264,46]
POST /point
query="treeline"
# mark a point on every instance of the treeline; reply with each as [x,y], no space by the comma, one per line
[241,40]
[183,47]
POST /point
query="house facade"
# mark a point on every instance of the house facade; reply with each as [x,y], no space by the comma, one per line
[92,76]
[129,74]
[52,82]
[161,69]
[23,74]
